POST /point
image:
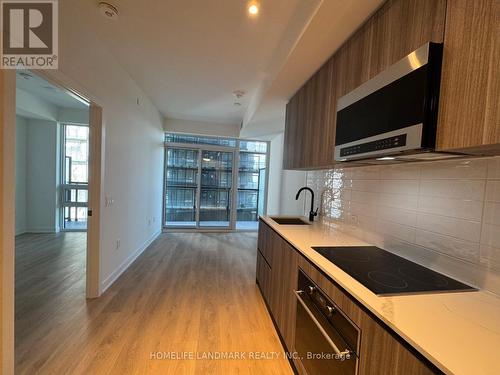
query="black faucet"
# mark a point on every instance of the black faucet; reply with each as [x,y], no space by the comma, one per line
[312,213]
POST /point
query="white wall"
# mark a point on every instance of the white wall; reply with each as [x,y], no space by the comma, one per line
[33,106]
[133,145]
[291,182]
[73,116]
[36,176]
[41,176]
[284,184]
[275,175]
[201,128]
[21,139]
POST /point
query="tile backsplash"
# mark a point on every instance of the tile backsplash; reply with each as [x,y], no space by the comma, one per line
[444,214]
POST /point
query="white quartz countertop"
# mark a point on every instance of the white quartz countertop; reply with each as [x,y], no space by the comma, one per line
[458,332]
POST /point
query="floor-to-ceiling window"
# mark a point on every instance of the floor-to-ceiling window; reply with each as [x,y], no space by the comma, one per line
[252,168]
[75,164]
[214,182]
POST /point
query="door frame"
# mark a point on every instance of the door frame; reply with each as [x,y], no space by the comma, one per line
[96,176]
[7,198]
[7,218]
[200,148]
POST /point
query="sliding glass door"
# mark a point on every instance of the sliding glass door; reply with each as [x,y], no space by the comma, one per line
[198,188]
[216,188]
[214,182]
[181,187]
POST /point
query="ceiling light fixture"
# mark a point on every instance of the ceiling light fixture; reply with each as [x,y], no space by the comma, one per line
[253,8]
[386,158]
[107,10]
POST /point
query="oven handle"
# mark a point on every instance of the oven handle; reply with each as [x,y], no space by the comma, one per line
[342,356]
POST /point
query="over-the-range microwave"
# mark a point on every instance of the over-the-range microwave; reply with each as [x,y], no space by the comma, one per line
[394,114]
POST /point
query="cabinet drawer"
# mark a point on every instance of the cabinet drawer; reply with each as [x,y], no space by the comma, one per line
[263,275]
[265,242]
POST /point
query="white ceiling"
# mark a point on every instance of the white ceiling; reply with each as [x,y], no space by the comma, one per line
[331,25]
[189,56]
[46,91]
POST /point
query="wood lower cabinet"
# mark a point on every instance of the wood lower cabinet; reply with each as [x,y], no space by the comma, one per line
[265,242]
[282,280]
[381,351]
[263,276]
[283,283]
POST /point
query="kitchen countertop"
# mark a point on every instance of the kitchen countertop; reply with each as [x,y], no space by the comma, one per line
[459,332]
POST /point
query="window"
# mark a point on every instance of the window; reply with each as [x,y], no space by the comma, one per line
[199,176]
[75,155]
[251,183]
[194,139]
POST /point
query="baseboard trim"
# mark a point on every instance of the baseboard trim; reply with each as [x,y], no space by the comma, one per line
[40,230]
[126,264]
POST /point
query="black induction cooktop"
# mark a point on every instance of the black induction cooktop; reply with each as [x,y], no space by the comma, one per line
[385,273]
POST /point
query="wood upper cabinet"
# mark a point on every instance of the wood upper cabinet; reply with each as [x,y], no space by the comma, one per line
[469,115]
[399,28]
[396,29]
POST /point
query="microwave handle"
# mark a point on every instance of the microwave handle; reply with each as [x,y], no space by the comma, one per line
[346,354]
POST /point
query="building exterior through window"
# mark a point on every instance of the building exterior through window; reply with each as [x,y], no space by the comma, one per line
[217,183]
[75,179]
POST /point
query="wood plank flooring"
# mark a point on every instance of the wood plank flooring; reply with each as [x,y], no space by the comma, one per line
[188,292]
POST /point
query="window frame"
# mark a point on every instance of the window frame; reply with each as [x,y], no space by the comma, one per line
[235,178]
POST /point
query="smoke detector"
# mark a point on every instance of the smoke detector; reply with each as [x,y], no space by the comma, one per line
[25,75]
[238,94]
[107,10]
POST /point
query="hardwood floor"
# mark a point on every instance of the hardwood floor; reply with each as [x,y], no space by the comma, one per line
[188,292]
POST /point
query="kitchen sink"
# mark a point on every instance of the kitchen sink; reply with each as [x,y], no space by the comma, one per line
[289,221]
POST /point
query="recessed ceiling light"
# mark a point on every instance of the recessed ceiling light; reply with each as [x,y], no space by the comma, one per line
[253,8]
[207,159]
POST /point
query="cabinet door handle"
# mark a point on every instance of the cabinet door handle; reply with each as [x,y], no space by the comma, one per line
[339,355]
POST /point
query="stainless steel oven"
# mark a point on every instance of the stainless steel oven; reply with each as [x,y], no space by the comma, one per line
[326,340]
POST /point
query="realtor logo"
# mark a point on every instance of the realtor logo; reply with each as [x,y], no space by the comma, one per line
[29,34]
